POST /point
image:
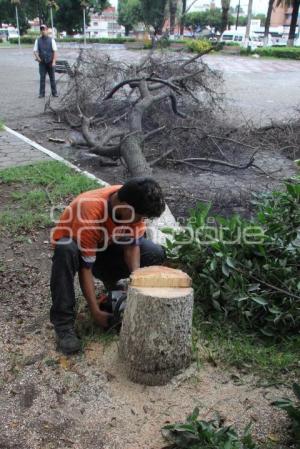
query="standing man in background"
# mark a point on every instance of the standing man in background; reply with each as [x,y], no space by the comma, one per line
[45,52]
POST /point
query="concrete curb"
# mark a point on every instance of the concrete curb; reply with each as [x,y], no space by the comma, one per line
[54,155]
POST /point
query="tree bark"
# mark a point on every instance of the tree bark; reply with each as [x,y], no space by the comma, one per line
[268,22]
[225,11]
[155,341]
[182,17]
[132,153]
[173,10]
[295,13]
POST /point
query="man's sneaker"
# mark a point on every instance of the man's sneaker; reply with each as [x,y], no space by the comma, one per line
[55,95]
[67,341]
[41,96]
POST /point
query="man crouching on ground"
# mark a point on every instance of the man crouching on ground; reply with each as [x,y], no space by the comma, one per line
[101,234]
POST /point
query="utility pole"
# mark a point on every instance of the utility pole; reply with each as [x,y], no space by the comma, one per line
[238,15]
[84,26]
[16,3]
[248,28]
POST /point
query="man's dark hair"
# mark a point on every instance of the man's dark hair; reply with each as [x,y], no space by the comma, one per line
[43,27]
[145,195]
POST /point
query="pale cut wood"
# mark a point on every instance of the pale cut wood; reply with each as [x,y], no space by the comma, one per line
[156,335]
[158,276]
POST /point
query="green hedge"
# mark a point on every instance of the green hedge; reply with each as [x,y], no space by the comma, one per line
[275,52]
[116,40]
[246,271]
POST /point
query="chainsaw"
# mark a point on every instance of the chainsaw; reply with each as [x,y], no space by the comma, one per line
[113,302]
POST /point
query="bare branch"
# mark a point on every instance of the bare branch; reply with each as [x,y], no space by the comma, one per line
[152,133]
[216,161]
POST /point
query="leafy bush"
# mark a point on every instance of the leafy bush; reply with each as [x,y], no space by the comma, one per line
[23,39]
[30,39]
[293,410]
[198,45]
[276,52]
[246,271]
[99,40]
[202,434]
[231,44]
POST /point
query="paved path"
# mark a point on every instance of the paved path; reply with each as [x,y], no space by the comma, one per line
[255,89]
[14,152]
[237,64]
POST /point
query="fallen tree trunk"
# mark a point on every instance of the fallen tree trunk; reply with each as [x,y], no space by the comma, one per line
[155,341]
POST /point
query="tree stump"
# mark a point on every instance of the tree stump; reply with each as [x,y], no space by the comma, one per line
[155,340]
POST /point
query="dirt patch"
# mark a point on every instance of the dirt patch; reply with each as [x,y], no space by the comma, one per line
[48,401]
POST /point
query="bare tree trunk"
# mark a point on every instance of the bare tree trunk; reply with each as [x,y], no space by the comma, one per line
[132,153]
[155,340]
[248,27]
[182,17]
[173,11]
[225,11]
[294,21]
[268,22]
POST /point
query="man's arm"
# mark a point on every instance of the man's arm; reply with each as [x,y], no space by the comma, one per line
[132,257]
[88,289]
[54,58]
[36,52]
[54,49]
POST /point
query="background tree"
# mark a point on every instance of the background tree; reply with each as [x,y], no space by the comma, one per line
[129,14]
[8,15]
[210,17]
[37,8]
[225,14]
[69,15]
[268,21]
[154,13]
[295,4]
[173,6]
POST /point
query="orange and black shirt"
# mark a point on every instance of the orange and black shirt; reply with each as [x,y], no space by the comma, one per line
[88,221]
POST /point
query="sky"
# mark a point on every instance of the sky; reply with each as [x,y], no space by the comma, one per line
[258,5]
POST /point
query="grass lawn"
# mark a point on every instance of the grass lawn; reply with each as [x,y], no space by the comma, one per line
[27,195]
[34,190]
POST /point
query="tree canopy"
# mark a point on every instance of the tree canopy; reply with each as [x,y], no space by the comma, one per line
[210,17]
[67,13]
[129,14]
[153,13]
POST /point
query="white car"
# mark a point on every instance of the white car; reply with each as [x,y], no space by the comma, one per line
[239,38]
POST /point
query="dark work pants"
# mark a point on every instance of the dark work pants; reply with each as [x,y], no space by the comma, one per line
[109,267]
[44,69]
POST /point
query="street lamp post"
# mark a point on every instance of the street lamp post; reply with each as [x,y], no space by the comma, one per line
[84,4]
[16,3]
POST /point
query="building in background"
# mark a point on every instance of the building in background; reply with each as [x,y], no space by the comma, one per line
[105,24]
[281,17]
[199,6]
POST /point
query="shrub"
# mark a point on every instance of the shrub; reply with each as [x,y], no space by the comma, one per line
[275,52]
[231,44]
[99,40]
[23,39]
[198,45]
[293,410]
[30,39]
[196,433]
[246,271]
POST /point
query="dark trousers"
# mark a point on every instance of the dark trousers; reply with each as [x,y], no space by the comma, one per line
[109,267]
[44,69]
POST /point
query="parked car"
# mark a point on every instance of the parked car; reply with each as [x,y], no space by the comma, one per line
[238,37]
